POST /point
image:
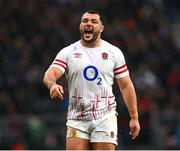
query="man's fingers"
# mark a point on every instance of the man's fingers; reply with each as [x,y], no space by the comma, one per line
[57,92]
[134,128]
[61,89]
[135,135]
[56,96]
[134,132]
[61,92]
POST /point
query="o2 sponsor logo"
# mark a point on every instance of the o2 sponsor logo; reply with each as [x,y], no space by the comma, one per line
[91,73]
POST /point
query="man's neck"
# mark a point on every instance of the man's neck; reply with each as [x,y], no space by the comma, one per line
[93,44]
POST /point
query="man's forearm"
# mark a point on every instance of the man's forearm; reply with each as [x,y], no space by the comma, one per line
[129,96]
[49,81]
[50,77]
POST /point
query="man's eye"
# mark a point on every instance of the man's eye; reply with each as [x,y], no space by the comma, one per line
[84,21]
[94,21]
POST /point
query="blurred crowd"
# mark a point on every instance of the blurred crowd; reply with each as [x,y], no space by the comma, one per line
[148,33]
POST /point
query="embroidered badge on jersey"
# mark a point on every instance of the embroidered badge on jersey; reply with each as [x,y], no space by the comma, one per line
[77,55]
[104,56]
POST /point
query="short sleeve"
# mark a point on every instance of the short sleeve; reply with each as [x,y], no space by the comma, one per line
[60,61]
[120,69]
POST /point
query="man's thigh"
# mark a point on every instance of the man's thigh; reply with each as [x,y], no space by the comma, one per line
[75,143]
[103,146]
[77,139]
[105,131]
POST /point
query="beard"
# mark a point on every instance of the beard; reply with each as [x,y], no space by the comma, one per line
[89,37]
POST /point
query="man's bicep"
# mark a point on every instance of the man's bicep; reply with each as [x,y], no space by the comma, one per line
[123,82]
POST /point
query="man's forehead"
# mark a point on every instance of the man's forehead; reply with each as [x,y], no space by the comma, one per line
[92,16]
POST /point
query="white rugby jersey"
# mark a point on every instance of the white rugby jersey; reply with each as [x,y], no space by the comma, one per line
[90,73]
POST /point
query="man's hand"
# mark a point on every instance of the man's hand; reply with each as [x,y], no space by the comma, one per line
[56,92]
[134,128]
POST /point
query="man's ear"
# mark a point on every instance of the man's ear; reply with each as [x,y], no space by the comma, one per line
[102,28]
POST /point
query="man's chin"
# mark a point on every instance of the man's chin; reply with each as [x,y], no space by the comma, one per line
[88,39]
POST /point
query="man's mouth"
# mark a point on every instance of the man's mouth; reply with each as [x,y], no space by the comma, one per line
[88,30]
[88,33]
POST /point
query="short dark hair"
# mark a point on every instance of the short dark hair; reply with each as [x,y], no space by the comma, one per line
[94,12]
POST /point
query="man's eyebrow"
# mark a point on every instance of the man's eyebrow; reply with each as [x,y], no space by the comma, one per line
[84,18]
[89,19]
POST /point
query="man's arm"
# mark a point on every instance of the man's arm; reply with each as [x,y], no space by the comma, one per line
[129,95]
[50,77]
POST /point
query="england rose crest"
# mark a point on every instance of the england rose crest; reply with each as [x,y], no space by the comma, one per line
[104,56]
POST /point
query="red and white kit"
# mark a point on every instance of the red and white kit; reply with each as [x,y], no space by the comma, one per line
[90,73]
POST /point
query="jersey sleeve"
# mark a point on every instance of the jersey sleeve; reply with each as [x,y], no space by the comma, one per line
[60,61]
[120,69]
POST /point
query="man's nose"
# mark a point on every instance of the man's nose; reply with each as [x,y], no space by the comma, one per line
[89,23]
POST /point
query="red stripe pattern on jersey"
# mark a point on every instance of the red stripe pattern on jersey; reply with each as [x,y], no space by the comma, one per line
[60,63]
[120,70]
[94,111]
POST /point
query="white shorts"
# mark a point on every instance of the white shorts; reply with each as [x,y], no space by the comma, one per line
[100,130]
